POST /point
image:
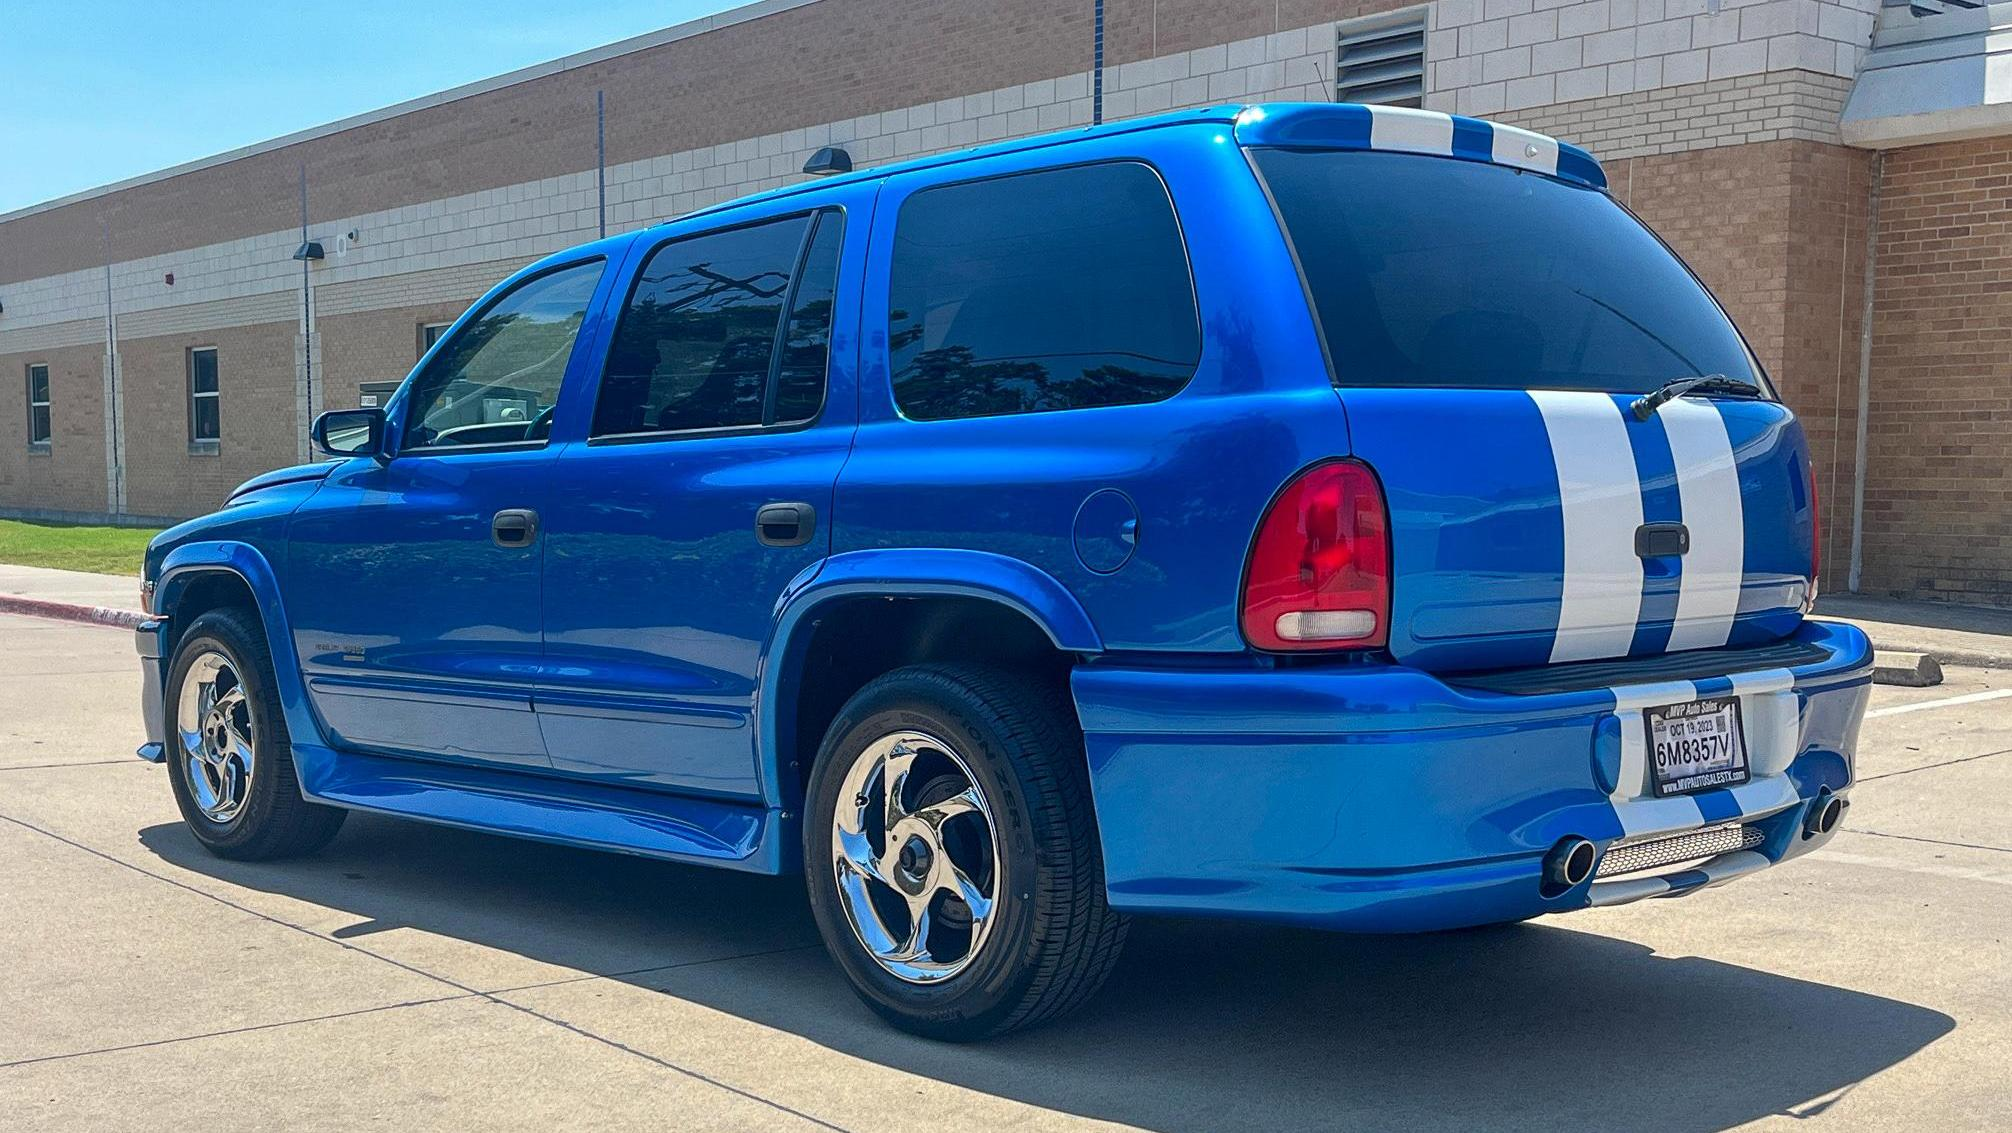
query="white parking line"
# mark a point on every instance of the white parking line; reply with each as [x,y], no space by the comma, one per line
[1945,702]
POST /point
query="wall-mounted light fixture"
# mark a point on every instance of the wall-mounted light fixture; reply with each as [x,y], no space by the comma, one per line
[170,279]
[829,160]
[311,250]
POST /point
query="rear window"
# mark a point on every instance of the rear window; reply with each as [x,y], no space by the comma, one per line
[1427,271]
[1061,289]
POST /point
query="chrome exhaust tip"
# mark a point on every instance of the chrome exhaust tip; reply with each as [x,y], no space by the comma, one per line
[1823,814]
[1569,862]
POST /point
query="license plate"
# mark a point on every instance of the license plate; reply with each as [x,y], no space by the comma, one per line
[1696,746]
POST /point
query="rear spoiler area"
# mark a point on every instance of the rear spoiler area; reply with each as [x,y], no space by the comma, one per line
[1351,126]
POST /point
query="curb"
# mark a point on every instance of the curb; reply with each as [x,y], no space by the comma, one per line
[1909,670]
[71,612]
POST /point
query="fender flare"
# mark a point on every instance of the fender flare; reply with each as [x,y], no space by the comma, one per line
[898,572]
[186,563]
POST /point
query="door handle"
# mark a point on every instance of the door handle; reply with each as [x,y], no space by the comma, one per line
[785,525]
[514,527]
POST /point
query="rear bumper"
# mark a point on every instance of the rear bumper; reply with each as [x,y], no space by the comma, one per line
[1381,799]
[150,640]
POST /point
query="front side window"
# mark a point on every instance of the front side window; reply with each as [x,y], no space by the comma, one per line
[497,380]
[697,346]
[205,425]
[38,405]
[1427,271]
[1062,289]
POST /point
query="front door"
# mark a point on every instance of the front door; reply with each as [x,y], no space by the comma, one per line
[413,584]
[717,434]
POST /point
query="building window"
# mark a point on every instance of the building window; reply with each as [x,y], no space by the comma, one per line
[204,427]
[38,407]
[1381,59]
[429,333]
[1036,292]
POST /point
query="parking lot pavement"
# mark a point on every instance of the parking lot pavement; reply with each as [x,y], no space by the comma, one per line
[417,977]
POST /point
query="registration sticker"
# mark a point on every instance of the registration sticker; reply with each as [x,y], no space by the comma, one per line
[1696,746]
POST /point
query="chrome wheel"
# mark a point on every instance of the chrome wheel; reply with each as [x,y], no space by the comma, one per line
[213,722]
[914,851]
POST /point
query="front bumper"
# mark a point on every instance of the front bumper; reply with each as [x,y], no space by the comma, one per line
[1379,798]
[150,638]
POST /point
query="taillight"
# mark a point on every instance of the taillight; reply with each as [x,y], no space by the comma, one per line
[1815,542]
[1319,570]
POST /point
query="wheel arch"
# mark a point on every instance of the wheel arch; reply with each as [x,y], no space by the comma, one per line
[920,603]
[198,577]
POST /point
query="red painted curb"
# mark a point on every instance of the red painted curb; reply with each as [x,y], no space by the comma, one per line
[70,612]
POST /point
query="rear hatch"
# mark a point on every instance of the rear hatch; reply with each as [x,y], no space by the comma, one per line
[1488,330]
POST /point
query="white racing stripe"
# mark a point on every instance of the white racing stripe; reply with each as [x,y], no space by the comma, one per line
[1601,498]
[1523,149]
[1416,131]
[1708,488]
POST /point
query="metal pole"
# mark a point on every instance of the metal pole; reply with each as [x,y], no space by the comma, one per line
[114,442]
[1097,72]
[1864,376]
[306,304]
[601,153]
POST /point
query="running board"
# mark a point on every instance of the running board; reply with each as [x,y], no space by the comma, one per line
[591,815]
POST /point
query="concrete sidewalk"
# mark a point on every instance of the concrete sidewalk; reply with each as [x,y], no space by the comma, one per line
[71,595]
[1953,635]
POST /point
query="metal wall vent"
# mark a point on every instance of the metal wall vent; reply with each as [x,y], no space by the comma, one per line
[1381,59]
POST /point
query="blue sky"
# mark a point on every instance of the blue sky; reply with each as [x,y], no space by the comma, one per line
[101,90]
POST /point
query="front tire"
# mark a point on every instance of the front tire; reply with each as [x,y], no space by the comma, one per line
[230,759]
[951,852]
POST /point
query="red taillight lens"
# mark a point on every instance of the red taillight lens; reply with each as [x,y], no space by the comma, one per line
[1319,571]
[1815,542]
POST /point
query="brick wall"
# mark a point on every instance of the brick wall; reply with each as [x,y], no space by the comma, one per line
[70,476]
[258,415]
[1777,231]
[1938,511]
[372,346]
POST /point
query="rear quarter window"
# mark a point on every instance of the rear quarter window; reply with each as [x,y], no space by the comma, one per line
[1059,289]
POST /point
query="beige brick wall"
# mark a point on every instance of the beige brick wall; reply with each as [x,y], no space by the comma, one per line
[1938,511]
[1777,231]
[372,346]
[258,416]
[70,476]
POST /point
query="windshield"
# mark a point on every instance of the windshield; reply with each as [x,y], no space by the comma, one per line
[1427,271]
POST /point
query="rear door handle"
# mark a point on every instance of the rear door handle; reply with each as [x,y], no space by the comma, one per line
[514,527]
[785,525]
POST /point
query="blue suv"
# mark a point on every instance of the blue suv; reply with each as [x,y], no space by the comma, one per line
[1338,515]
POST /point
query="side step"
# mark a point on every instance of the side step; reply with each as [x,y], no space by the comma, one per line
[745,836]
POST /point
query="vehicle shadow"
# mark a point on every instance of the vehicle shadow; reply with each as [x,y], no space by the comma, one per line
[1204,1025]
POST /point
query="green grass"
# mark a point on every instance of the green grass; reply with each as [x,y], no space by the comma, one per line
[100,550]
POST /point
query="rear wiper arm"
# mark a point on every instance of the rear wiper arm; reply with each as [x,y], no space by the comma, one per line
[1646,405]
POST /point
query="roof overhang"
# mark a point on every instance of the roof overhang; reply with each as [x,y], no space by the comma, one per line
[1933,78]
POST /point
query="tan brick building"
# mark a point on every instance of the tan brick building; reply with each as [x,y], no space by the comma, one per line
[1817,161]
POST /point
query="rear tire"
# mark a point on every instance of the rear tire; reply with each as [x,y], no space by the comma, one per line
[976,755]
[230,759]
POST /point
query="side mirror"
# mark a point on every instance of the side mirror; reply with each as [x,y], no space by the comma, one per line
[350,432]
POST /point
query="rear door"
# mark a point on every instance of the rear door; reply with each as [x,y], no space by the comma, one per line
[1488,331]
[701,488]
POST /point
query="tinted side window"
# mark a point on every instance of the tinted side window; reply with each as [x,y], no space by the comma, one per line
[496,381]
[696,348]
[1062,289]
[806,343]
